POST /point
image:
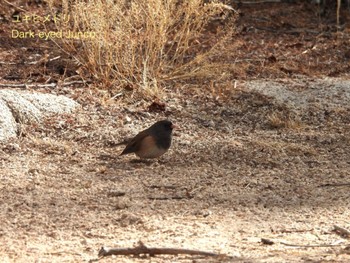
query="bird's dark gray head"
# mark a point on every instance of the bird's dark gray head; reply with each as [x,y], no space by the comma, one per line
[162,131]
[164,125]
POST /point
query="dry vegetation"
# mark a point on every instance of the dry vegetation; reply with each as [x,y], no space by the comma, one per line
[143,45]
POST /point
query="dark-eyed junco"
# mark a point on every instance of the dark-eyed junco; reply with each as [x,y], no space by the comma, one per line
[152,142]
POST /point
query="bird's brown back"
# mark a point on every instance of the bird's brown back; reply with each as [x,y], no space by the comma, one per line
[135,144]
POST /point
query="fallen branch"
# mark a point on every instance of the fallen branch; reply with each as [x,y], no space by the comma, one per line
[23,85]
[8,63]
[142,249]
[266,241]
[173,197]
[50,85]
[295,230]
[338,184]
[154,186]
[76,82]
[341,231]
[320,245]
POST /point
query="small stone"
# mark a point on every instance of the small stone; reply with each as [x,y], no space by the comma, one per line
[127,119]
[211,124]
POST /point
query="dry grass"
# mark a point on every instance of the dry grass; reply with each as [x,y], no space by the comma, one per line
[52,146]
[279,121]
[142,45]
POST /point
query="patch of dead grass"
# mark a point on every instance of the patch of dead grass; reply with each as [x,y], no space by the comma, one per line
[289,148]
[143,45]
[52,146]
[279,121]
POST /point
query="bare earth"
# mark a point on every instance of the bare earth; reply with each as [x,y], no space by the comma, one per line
[264,160]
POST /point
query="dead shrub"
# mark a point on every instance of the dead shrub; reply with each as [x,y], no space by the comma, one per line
[143,45]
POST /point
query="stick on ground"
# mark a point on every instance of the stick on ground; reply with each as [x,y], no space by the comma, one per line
[341,231]
[266,241]
[142,249]
[339,184]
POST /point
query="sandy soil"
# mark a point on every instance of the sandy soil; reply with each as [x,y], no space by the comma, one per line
[244,166]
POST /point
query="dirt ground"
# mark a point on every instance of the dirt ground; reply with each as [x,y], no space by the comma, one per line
[246,163]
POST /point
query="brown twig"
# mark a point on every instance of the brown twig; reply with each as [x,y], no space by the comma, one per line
[154,186]
[8,63]
[266,241]
[338,184]
[295,230]
[50,85]
[338,12]
[23,85]
[17,7]
[298,245]
[173,197]
[341,231]
[142,249]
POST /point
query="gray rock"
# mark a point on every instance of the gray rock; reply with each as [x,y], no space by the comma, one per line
[23,111]
[17,107]
[8,125]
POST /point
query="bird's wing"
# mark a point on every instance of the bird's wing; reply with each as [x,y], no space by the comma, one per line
[135,143]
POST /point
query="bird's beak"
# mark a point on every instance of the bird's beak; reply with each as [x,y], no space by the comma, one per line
[173,126]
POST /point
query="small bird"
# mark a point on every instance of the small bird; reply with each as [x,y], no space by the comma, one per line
[152,142]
